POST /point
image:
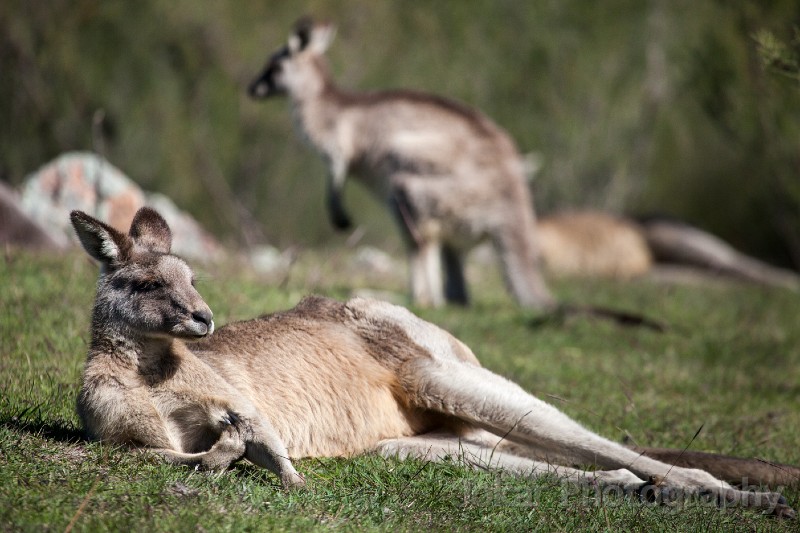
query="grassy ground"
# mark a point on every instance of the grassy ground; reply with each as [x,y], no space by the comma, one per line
[729,363]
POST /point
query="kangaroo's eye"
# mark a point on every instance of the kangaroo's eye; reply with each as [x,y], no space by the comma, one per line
[146,285]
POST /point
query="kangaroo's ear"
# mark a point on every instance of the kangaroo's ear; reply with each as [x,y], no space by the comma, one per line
[315,36]
[301,34]
[101,241]
[150,231]
[322,35]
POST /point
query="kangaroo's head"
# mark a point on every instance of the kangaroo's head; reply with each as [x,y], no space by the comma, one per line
[296,68]
[143,290]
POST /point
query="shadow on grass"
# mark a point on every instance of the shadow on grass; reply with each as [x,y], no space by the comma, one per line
[62,432]
[563,312]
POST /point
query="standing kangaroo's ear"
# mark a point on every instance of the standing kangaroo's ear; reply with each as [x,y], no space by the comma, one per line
[150,231]
[101,241]
[307,34]
[322,35]
[301,34]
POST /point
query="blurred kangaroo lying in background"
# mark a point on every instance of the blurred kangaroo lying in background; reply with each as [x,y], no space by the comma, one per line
[451,177]
[329,379]
[593,243]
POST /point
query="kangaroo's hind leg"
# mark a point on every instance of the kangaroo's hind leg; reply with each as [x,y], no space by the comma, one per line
[455,284]
[483,454]
[443,375]
[427,287]
[424,253]
[488,401]
[517,248]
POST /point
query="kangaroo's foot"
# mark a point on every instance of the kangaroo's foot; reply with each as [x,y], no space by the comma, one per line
[659,490]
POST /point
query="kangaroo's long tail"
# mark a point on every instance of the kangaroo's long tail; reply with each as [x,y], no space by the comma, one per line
[676,242]
[734,470]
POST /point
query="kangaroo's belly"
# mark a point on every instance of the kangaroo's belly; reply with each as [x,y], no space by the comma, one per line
[319,388]
[345,423]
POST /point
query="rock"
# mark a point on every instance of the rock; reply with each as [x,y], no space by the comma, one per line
[20,230]
[269,260]
[189,240]
[373,260]
[84,181]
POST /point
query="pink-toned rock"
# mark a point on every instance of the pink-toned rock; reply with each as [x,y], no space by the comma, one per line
[84,181]
[17,229]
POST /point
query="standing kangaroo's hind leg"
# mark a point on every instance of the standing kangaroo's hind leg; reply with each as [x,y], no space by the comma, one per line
[424,244]
[427,287]
[515,246]
[455,284]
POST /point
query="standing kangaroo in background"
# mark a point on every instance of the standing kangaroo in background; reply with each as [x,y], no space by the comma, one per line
[328,379]
[450,175]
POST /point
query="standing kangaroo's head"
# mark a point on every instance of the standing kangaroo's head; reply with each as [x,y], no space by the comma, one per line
[143,290]
[297,67]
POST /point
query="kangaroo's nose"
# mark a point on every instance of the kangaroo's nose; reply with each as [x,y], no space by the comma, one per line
[205,316]
[258,89]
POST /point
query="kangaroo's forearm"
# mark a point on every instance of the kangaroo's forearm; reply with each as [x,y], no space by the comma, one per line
[210,460]
[265,448]
[227,450]
[338,215]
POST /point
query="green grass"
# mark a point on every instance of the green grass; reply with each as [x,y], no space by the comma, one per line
[729,363]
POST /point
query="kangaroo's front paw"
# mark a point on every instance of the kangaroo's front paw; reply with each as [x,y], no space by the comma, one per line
[230,441]
[229,418]
[221,417]
[229,448]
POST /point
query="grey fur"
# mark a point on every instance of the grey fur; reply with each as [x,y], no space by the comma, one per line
[451,177]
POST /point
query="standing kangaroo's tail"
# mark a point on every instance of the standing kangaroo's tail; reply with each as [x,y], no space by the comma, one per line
[734,470]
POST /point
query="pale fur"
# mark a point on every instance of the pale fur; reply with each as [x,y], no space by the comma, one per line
[451,177]
[594,243]
[323,379]
[591,243]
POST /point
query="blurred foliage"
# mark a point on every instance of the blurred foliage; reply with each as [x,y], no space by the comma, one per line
[778,56]
[634,106]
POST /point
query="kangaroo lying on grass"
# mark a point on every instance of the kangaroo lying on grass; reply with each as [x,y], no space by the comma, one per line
[451,177]
[329,379]
[593,243]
